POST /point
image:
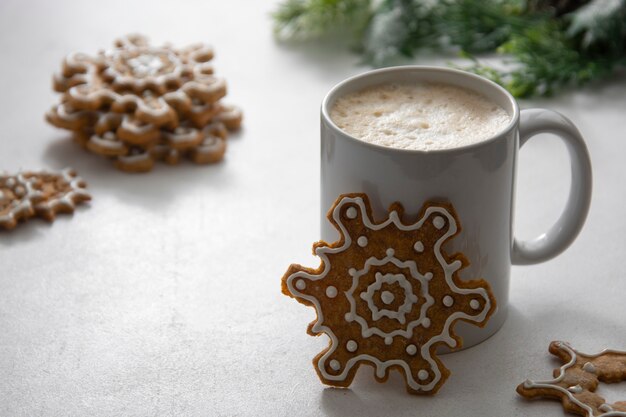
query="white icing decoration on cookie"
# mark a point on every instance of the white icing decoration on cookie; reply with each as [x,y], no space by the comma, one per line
[362,241]
[335,365]
[589,367]
[448,270]
[331,292]
[24,205]
[351,213]
[411,349]
[419,246]
[422,374]
[351,346]
[387,297]
[552,384]
[576,389]
[439,222]
[300,284]
[448,301]
[475,304]
[409,298]
[145,64]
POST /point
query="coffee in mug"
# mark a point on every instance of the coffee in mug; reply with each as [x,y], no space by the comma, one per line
[419,116]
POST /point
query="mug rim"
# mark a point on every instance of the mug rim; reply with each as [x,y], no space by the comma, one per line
[423,68]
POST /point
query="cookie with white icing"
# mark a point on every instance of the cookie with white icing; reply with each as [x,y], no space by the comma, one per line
[136,103]
[387,294]
[43,194]
[575,383]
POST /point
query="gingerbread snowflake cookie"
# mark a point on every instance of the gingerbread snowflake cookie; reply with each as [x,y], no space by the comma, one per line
[137,103]
[43,194]
[575,382]
[387,295]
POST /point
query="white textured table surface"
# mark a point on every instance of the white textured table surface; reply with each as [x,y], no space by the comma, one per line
[163,296]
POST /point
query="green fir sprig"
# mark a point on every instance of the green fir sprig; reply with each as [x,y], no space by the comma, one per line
[550,45]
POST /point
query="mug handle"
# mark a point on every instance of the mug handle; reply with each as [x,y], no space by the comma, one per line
[564,231]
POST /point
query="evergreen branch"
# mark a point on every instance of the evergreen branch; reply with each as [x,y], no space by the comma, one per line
[553,44]
[546,60]
[600,25]
[398,28]
[311,19]
[482,26]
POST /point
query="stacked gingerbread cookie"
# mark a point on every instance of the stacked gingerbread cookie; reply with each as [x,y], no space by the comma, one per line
[137,103]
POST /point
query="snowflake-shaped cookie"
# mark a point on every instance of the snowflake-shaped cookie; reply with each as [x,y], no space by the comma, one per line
[575,382]
[44,194]
[137,103]
[387,295]
[153,85]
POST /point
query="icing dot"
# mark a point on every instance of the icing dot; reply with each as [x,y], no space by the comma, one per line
[331,292]
[606,408]
[351,346]
[388,340]
[387,297]
[439,222]
[475,304]
[448,301]
[426,323]
[411,349]
[349,317]
[390,252]
[422,374]
[351,213]
[428,275]
[352,271]
[362,241]
[335,365]
[588,367]
[419,246]
[300,284]
[575,389]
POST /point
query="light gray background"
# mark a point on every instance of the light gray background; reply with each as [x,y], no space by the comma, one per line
[163,297]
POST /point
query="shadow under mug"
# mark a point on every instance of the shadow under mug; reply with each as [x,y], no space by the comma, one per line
[478,180]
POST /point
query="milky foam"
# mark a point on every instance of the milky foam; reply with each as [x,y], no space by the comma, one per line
[424,116]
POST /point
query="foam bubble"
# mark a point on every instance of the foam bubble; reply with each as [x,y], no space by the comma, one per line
[424,116]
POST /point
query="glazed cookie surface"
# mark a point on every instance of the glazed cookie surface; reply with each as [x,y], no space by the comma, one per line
[387,294]
[575,383]
[43,194]
[136,102]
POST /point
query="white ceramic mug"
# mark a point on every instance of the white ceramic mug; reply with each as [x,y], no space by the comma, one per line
[478,179]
